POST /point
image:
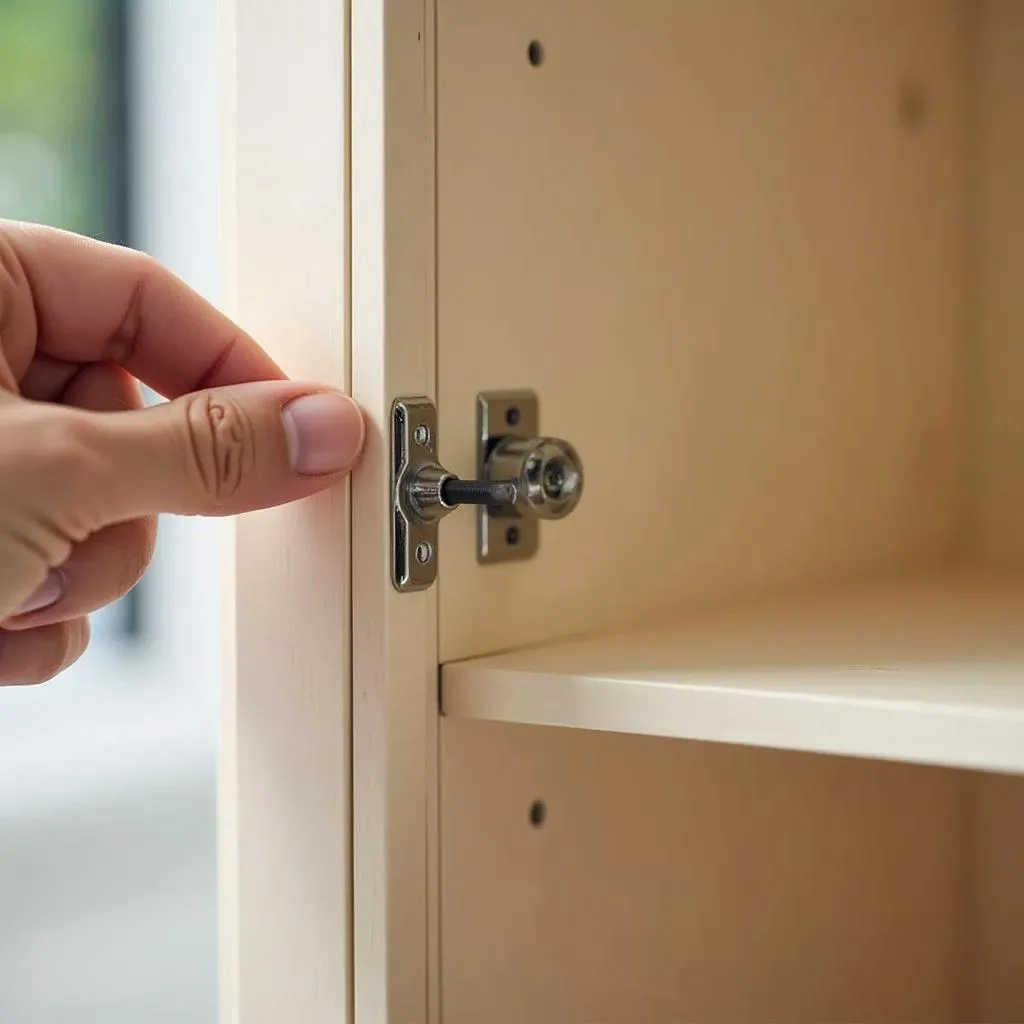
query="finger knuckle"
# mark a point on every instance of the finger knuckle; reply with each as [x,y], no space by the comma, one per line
[49,460]
[124,338]
[220,443]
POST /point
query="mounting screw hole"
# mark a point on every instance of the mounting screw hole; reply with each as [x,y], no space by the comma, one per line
[424,552]
[538,813]
[513,416]
[421,435]
[535,53]
[512,535]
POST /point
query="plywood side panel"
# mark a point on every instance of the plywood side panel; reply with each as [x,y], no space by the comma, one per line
[999,250]
[676,881]
[726,245]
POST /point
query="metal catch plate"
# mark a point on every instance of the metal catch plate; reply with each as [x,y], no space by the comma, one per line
[504,535]
[413,542]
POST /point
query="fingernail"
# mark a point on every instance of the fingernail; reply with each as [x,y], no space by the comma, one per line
[49,592]
[324,431]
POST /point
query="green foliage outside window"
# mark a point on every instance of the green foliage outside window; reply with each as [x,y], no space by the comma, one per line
[63,154]
[60,117]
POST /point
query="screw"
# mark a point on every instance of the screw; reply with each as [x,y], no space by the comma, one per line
[513,416]
[478,492]
[424,552]
[421,435]
[538,813]
[512,535]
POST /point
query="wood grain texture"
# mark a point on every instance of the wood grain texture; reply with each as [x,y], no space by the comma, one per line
[285,786]
[735,270]
[394,643]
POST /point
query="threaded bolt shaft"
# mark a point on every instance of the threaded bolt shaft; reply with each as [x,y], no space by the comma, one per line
[478,492]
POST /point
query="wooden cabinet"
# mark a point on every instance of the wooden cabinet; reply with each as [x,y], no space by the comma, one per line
[743,739]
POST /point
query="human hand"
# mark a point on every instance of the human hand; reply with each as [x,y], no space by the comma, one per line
[85,468]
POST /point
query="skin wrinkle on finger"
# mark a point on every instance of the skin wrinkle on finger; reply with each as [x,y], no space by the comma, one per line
[70,307]
[81,323]
[222,442]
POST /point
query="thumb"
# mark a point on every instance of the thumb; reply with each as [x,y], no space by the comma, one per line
[226,450]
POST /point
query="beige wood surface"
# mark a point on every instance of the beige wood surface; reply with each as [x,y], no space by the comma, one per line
[676,881]
[394,637]
[998,276]
[762,264]
[733,248]
[285,789]
[727,244]
[928,670]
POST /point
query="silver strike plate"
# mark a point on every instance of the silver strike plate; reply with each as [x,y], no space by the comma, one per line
[503,535]
[413,540]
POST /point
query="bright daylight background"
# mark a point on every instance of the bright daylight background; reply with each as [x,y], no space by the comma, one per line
[107,776]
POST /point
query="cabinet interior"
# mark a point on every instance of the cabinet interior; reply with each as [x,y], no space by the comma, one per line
[762,263]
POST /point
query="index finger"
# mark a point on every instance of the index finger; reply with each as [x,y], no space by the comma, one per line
[96,302]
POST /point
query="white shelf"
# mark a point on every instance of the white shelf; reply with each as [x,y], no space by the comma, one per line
[929,671]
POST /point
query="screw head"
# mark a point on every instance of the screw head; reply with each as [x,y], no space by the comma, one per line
[424,552]
[421,435]
[512,535]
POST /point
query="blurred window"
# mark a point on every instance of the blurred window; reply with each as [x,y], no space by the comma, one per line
[64,144]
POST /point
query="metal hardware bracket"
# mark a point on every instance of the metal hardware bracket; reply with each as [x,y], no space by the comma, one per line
[413,537]
[521,478]
[504,534]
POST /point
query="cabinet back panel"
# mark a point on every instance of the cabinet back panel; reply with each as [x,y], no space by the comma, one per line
[673,881]
[726,244]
